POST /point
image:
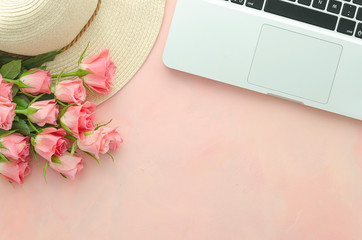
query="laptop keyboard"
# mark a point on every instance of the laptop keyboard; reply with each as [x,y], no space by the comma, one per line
[342,16]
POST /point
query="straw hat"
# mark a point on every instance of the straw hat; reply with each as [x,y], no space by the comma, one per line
[128,28]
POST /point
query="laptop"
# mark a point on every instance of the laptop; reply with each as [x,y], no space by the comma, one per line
[305,51]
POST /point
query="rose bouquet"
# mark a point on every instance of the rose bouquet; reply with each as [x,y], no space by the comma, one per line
[44,115]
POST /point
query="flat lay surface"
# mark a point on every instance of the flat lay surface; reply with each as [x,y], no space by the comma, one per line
[200,160]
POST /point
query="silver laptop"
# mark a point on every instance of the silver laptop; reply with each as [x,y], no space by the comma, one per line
[306,51]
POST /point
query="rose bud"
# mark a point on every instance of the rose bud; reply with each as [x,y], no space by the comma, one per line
[7,113]
[14,172]
[47,112]
[69,166]
[102,69]
[16,147]
[6,90]
[39,80]
[51,142]
[100,141]
[79,119]
[70,91]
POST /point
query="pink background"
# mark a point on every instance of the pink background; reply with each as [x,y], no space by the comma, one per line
[201,160]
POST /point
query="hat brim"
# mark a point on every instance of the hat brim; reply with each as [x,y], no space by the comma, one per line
[128,29]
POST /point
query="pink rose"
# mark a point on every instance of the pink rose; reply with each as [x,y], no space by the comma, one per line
[70,166]
[17,147]
[6,90]
[39,79]
[47,113]
[102,69]
[79,119]
[14,172]
[70,91]
[7,113]
[51,142]
[100,141]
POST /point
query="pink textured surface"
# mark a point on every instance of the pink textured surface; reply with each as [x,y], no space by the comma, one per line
[201,160]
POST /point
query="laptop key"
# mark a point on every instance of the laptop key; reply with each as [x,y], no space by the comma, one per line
[348,10]
[359,14]
[334,6]
[241,2]
[359,30]
[299,13]
[305,2]
[257,4]
[359,2]
[346,26]
[320,4]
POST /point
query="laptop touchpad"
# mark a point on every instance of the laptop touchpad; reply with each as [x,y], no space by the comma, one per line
[295,64]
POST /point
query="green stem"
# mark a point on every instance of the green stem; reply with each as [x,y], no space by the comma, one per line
[27,94]
[78,73]
[70,137]
[60,103]
[86,86]
[36,98]
[32,126]
[71,74]
[22,111]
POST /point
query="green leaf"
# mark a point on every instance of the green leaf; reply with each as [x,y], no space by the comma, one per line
[22,126]
[64,110]
[23,85]
[66,128]
[63,175]
[4,59]
[27,73]
[81,57]
[2,146]
[59,77]
[103,125]
[2,131]
[11,70]
[15,89]
[39,60]
[110,156]
[55,159]
[94,157]
[32,141]
[31,111]
[88,133]
[7,133]
[45,171]
[81,73]
[74,147]
[4,159]
[35,156]
[22,102]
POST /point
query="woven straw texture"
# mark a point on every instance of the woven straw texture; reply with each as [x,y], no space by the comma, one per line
[128,28]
